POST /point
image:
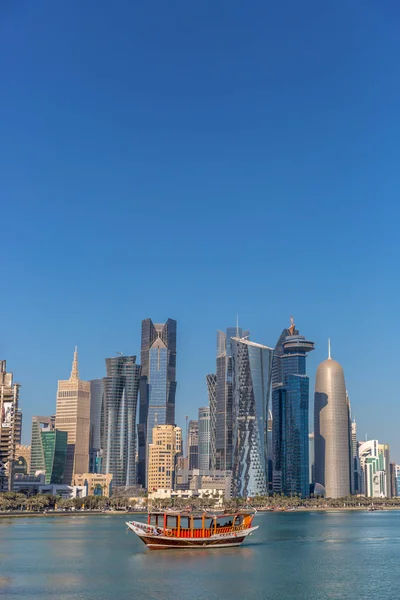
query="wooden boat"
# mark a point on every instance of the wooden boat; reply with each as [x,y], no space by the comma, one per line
[166,530]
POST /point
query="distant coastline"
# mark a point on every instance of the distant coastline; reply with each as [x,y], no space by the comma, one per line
[91,513]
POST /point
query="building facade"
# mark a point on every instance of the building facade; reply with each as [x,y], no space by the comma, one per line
[39,424]
[375,469]
[224,398]
[157,385]
[121,388]
[73,417]
[96,415]
[252,370]
[291,413]
[193,445]
[163,452]
[22,459]
[331,430]
[211,379]
[9,436]
[95,484]
[204,438]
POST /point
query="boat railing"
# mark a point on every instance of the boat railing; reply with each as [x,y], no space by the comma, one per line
[184,532]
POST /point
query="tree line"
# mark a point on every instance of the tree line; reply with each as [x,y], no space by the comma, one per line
[15,501]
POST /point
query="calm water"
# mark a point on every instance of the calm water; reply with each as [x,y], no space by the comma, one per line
[301,556]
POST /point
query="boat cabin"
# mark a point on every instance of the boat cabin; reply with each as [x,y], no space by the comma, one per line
[200,525]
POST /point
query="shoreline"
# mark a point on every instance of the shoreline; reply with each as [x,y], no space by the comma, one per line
[92,513]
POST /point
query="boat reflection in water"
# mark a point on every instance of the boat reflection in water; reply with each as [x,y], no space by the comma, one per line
[169,529]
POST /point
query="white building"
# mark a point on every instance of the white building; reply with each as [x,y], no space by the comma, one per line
[375,469]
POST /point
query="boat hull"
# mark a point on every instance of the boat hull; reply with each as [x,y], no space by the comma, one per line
[161,542]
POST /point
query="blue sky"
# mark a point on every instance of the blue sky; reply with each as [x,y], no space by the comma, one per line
[196,160]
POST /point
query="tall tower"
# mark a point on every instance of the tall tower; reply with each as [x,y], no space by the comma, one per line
[223,398]
[9,396]
[290,418]
[193,445]
[96,415]
[157,384]
[121,387]
[251,367]
[211,379]
[204,438]
[331,423]
[73,416]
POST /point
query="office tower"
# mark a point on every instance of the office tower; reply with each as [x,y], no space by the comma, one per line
[9,396]
[48,450]
[270,451]
[395,480]
[96,408]
[331,423]
[251,368]
[163,452]
[375,469]
[311,457]
[193,445]
[223,398]
[355,461]
[211,379]
[157,384]
[73,416]
[290,400]
[39,424]
[204,438]
[121,387]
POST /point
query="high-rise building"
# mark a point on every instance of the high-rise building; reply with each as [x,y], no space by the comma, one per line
[48,450]
[252,369]
[121,387]
[9,396]
[204,438]
[193,445]
[395,480]
[375,469]
[291,413]
[18,427]
[73,416]
[211,379]
[311,457]
[331,428]
[223,398]
[39,424]
[163,452]
[96,413]
[157,385]
[355,461]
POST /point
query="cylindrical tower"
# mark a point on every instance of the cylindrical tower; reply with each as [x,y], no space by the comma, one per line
[331,424]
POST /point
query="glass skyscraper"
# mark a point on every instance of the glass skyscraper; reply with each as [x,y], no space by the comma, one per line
[211,379]
[55,453]
[223,398]
[157,384]
[290,406]
[121,387]
[96,416]
[204,438]
[251,369]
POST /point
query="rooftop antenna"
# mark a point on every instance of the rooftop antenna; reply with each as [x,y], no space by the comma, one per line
[329,347]
[187,437]
[237,326]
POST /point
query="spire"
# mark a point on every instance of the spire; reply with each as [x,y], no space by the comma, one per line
[74,370]
[237,326]
[329,348]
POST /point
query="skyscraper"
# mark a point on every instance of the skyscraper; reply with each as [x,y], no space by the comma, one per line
[204,438]
[73,416]
[375,468]
[331,423]
[9,396]
[252,369]
[211,379]
[193,445]
[121,387]
[290,399]
[157,385]
[163,451]
[223,398]
[39,424]
[96,415]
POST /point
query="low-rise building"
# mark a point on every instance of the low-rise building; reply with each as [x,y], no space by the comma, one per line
[95,484]
[64,491]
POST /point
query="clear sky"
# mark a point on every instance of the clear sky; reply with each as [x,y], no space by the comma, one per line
[196,160]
